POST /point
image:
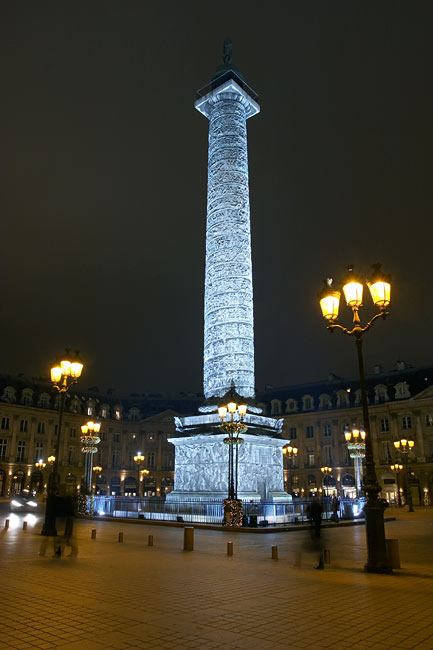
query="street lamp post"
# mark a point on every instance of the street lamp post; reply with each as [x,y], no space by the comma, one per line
[138,459]
[97,469]
[89,446]
[355,441]
[380,290]
[144,473]
[232,423]
[326,471]
[404,446]
[290,453]
[63,376]
[397,469]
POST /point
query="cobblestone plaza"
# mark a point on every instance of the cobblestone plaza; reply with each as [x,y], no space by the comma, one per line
[130,595]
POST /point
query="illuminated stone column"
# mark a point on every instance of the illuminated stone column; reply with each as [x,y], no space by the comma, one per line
[228,307]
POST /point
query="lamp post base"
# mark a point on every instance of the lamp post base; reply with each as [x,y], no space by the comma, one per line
[377,559]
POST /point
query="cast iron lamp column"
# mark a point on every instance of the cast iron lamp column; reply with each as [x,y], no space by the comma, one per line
[290,453]
[144,473]
[326,471]
[397,469]
[138,459]
[40,465]
[97,469]
[89,446]
[404,446]
[355,441]
[63,376]
[380,290]
[233,427]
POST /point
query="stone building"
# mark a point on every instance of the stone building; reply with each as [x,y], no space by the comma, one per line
[28,424]
[317,414]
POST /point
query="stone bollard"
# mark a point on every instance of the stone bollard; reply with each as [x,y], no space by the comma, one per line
[275,552]
[229,548]
[150,540]
[24,525]
[6,524]
[120,539]
[93,535]
[327,556]
[188,538]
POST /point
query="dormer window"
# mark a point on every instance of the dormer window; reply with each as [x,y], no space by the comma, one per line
[105,411]
[307,402]
[9,394]
[380,394]
[291,405]
[402,390]
[27,397]
[134,414]
[325,401]
[44,401]
[275,407]
[342,398]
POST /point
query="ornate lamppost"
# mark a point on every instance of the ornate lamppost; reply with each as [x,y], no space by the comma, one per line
[63,376]
[144,473]
[355,441]
[397,469]
[97,469]
[138,459]
[404,446]
[290,453]
[40,465]
[326,471]
[232,423]
[380,290]
[89,446]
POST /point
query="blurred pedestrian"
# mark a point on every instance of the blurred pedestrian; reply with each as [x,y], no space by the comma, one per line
[335,506]
[314,513]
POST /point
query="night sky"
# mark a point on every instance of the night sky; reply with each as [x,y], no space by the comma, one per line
[103,185]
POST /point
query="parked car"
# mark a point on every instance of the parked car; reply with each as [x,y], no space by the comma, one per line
[23,502]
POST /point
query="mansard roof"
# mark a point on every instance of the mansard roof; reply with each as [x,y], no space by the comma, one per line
[148,404]
[418,380]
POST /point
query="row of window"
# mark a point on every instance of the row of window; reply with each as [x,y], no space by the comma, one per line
[384,426]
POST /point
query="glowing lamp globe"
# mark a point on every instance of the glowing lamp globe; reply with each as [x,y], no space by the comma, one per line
[329,300]
[65,367]
[353,294]
[56,374]
[380,287]
[76,369]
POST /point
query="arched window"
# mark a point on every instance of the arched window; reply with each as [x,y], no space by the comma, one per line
[9,394]
[307,402]
[402,390]
[342,399]
[325,401]
[275,407]
[27,397]
[380,394]
[291,405]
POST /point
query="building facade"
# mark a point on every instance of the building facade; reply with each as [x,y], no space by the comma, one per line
[316,416]
[28,426]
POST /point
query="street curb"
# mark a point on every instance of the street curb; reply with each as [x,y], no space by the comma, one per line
[231,529]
